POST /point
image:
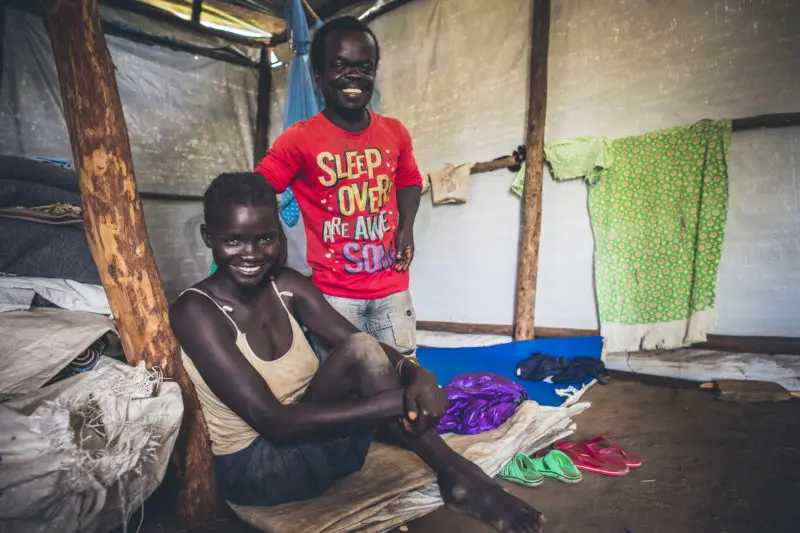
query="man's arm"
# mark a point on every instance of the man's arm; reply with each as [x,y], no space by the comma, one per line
[210,343]
[408,183]
[284,160]
[407,206]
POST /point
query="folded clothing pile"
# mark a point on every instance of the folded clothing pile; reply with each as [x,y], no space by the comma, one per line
[541,367]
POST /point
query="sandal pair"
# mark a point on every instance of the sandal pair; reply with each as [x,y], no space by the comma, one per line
[600,455]
[529,471]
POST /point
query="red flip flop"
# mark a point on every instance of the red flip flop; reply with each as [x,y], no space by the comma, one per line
[584,459]
[607,448]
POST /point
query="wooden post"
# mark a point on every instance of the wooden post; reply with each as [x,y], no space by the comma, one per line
[534,166]
[197,9]
[262,106]
[116,230]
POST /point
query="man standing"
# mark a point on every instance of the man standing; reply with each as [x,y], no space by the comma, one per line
[356,182]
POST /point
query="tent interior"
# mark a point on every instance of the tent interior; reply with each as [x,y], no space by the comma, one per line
[203,86]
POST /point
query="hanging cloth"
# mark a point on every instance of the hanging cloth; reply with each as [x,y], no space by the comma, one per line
[658,205]
[302,101]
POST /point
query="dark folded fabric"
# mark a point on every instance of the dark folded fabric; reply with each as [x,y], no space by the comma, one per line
[539,367]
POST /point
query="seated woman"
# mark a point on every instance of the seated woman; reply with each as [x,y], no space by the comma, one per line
[283,426]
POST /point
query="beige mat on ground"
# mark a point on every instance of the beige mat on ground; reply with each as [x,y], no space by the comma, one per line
[395,486]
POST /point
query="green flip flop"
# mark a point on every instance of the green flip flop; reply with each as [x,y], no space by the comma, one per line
[522,471]
[558,465]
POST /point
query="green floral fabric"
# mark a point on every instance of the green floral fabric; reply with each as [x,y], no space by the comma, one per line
[658,207]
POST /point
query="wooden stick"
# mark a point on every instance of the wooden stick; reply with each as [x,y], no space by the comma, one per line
[500,329]
[262,106]
[311,17]
[386,7]
[497,164]
[751,344]
[116,230]
[221,54]
[197,10]
[331,8]
[532,196]
[170,197]
[777,120]
[135,6]
[722,343]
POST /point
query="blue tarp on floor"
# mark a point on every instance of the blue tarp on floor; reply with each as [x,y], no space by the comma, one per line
[502,359]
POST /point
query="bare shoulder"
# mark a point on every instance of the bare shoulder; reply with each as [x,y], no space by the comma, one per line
[290,280]
[192,311]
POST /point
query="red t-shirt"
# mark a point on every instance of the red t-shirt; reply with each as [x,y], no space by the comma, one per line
[346,189]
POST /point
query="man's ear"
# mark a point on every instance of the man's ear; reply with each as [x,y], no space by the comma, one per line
[205,235]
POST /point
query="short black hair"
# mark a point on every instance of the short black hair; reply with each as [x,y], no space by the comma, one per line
[341,24]
[237,188]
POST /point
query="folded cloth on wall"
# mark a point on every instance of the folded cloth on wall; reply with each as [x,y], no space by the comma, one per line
[65,293]
[83,454]
[37,344]
[658,205]
[395,486]
[449,185]
[479,402]
[502,359]
[541,367]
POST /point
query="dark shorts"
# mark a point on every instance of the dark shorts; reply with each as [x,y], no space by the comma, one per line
[265,474]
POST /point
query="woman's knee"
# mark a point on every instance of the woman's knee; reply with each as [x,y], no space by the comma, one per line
[368,355]
[361,346]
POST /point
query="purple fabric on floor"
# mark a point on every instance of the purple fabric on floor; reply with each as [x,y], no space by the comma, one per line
[480,401]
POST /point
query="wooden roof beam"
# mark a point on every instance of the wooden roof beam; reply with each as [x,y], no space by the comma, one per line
[154,13]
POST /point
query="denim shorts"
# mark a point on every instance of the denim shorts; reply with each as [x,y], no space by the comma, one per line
[390,320]
[265,474]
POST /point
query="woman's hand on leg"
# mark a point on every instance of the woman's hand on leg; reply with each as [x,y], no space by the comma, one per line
[426,402]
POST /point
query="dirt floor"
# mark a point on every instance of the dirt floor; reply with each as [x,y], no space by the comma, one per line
[709,466]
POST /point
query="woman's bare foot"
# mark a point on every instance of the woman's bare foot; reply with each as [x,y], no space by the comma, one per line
[466,489]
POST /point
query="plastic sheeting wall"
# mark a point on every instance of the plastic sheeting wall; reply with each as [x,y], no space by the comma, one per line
[189,118]
[456,73]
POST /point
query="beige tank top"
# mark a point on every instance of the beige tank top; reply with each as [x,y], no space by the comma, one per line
[287,377]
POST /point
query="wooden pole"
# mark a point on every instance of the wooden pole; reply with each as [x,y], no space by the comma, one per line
[776,120]
[534,166]
[117,234]
[155,13]
[263,104]
[197,10]
[497,164]
[381,9]
[462,328]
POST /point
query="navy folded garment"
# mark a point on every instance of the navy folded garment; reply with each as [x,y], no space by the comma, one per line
[539,367]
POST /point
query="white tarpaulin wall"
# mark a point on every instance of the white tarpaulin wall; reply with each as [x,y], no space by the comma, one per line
[456,73]
[189,117]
